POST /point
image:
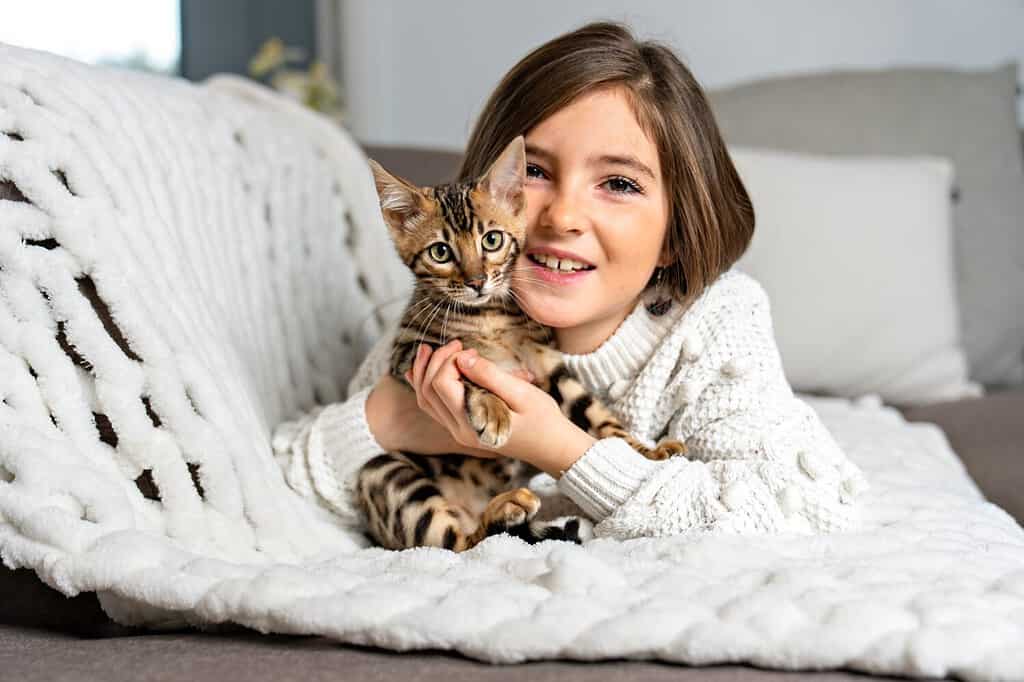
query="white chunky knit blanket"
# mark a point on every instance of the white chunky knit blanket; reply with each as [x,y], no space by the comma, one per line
[183,267]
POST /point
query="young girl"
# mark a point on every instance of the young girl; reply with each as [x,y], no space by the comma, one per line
[635,218]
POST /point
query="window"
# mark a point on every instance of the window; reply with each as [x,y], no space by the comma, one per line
[142,35]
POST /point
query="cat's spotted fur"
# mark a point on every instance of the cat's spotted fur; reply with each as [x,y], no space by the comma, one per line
[461,241]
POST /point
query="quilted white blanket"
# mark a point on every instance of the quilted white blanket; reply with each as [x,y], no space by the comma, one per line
[183,267]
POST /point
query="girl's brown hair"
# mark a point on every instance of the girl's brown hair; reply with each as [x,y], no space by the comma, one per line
[711,219]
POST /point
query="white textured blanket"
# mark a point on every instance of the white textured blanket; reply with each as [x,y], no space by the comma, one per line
[234,245]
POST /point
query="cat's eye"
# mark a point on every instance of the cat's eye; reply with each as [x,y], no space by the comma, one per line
[440,252]
[493,240]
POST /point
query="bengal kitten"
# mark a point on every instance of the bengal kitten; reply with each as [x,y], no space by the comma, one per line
[461,241]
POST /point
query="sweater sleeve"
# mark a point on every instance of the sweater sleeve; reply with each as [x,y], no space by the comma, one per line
[322,450]
[759,459]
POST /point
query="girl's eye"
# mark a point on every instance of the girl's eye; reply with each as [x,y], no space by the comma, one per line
[440,252]
[621,185]
[534,171]
[493,240]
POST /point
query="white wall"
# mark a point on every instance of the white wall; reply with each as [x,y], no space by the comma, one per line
[418,73]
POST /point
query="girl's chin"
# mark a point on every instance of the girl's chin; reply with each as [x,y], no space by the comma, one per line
[552,311]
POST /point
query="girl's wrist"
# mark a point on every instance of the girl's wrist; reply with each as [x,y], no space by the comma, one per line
[571,443]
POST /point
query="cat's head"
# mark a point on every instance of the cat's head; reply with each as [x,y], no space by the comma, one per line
[460,240]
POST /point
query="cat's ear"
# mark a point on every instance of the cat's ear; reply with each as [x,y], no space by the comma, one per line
[402,204]
[504,181]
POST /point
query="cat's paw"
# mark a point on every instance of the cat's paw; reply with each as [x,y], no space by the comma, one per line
[509,509]
[663,450]
[490,417]
[666,449]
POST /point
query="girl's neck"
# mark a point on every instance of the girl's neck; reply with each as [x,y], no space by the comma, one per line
[588,337]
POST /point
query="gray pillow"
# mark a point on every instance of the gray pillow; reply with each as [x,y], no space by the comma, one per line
[968,117]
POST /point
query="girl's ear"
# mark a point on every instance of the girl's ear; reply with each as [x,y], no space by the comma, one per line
[402,204]
[504,180]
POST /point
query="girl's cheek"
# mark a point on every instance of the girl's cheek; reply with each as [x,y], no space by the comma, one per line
[533,201]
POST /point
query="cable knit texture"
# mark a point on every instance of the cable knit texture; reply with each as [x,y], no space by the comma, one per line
[759,459]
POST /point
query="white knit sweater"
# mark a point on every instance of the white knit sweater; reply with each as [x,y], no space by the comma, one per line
[759,459]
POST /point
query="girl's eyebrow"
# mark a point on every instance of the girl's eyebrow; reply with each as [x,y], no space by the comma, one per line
[618,159]
[542,153]
[628,161]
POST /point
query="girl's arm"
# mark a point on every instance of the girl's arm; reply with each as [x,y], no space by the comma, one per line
[792,477]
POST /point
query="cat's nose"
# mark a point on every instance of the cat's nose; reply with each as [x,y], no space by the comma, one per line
[476,283]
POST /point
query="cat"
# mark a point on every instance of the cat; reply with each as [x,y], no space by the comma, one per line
[461,241]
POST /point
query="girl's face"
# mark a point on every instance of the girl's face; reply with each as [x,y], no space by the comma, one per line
[594,198]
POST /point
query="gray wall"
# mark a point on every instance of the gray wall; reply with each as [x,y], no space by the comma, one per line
[418,72]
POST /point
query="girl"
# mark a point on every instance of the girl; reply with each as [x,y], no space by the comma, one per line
[627,177]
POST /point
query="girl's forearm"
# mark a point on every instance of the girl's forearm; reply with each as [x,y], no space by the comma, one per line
[567,444]
[377,418]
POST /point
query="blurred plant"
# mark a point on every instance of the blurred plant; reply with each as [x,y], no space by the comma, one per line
[314,87]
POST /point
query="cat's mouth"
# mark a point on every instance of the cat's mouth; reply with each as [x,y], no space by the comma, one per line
[472,298]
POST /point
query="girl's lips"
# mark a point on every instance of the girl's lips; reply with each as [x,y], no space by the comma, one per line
[557,276]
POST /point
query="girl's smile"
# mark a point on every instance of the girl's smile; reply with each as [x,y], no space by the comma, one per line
[558,266]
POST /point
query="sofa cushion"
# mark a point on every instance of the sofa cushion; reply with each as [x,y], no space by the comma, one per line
[418,165]
[835,239]
[968,117]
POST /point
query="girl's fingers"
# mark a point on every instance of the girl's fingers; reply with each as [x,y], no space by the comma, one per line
[447,395]
[436,360]
[485,373]
[447,385]
[419,365]
[524,374]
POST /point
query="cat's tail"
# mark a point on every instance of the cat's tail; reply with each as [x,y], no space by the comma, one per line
[565,528]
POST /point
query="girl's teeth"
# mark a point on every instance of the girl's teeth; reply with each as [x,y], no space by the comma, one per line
[561,264]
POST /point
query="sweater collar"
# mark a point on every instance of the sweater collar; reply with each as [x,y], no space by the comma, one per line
[626,351]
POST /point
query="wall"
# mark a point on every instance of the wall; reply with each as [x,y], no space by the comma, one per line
[417,73]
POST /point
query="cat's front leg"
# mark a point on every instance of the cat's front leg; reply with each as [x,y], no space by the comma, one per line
[489,415]
[582,408]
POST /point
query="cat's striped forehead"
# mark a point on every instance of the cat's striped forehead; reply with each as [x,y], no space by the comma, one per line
[456,206]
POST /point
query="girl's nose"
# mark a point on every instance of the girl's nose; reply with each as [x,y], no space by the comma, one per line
[564,213]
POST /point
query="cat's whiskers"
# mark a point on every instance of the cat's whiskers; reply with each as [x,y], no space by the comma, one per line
[418,307]
[519,301]
[426,325]
[421,307]
[515,297]
[525,270]
[527,276]
[444,325]
[422,310]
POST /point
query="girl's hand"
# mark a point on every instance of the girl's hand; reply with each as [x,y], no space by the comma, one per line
[398,423]
[540,433]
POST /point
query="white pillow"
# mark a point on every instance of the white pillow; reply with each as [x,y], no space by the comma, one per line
[856,256]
